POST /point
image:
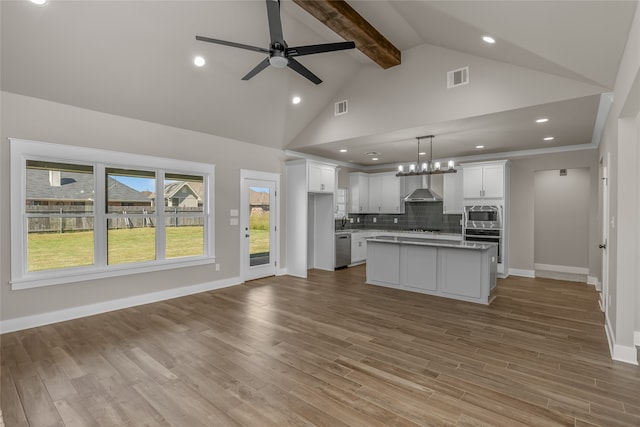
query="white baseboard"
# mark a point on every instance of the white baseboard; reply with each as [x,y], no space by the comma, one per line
[621,353]
[593,281]
[636,338]
[281,272]
[32,321]
[561,268]
[522,273]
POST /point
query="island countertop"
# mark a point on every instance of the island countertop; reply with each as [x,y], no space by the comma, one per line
[452,269]
[421,241]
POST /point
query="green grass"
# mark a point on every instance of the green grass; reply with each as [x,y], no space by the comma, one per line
[259,233]
[49,251]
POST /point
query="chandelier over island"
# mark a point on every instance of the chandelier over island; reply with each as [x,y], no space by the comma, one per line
[428,167]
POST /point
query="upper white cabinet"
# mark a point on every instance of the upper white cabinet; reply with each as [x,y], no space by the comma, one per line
[452,200]
[322,178]
[358,192]
[375,193]
[484,181]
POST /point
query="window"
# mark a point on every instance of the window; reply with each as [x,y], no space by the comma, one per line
[80,214]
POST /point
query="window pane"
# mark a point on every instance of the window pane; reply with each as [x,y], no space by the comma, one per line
[185,236]
[259,226]
[130,239]
[59,242]
[183,193]
[130,191]
[59,188]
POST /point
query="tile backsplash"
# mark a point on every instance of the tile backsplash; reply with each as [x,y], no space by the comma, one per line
[426,215]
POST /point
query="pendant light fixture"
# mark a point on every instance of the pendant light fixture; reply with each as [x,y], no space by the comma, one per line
[427,168]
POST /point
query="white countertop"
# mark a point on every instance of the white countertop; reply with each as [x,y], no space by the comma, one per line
[425,241]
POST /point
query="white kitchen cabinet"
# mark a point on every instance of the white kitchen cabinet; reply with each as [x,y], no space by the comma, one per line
[321,178]
[484,181]
[379,193]
[359,247]
[391,194]
[452,200]
[375,193]
[358,192]
[385,192]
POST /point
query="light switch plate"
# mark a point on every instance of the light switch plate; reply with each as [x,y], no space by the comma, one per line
[233,212]
[233,221]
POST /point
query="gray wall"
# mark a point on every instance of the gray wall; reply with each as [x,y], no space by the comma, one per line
[522,205]
[39,120]
[620,140]
[561,217]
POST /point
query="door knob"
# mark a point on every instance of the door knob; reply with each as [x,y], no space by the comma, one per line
[603,246]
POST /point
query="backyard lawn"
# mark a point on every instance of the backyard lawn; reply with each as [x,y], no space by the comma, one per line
[48,251]
[61,250]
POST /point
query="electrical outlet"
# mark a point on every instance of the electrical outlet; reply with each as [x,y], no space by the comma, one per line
[375,219]
[217,267]
[395,220]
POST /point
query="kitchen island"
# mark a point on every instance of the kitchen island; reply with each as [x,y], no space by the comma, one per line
[453,269]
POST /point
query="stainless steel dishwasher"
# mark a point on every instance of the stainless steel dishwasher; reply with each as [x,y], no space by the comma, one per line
[343,250]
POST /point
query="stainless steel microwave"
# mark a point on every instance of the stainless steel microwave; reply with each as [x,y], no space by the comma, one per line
[477,216]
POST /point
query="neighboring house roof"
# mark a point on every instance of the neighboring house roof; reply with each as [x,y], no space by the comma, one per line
[171,189]
[258,198]
[76,186]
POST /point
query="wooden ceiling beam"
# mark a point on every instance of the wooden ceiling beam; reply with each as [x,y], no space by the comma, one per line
[345,21]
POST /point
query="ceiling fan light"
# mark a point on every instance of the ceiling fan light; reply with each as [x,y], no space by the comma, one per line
[278,61]
[400,169]
[412,167]
[451,164]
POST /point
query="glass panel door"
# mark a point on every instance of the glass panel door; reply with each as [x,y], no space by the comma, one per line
[258,220]
[259,225]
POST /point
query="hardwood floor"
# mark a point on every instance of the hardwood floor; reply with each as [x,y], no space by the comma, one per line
[326,351]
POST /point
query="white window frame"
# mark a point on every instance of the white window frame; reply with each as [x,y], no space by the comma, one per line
[23,150]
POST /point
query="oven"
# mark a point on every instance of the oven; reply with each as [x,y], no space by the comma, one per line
[483,217]
[481,235]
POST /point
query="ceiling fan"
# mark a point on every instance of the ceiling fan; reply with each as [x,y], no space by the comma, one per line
[280,54]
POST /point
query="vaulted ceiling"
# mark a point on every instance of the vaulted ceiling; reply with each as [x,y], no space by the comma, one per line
[135,59]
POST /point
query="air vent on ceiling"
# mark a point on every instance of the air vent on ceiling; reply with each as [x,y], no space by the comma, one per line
[458,77]
[563,172]
[341,107]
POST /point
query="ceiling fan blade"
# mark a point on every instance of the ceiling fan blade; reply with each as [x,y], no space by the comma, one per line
[304,71]
[319,48]
[275,24]
[232,44]
[261,66]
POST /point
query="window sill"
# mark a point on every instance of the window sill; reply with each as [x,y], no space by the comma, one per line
[48,279]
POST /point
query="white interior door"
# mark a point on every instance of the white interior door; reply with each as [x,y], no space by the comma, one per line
[258,224]
[605,232]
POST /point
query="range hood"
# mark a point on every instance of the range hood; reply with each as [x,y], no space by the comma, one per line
[424,193]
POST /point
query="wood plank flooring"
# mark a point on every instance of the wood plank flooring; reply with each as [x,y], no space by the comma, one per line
[326,351]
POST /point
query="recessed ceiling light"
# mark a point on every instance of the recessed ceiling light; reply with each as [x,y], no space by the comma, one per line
[488,39]
[199,61]
[39,2]
[296,100]
[542,120]
[479,146]
[371,153]
[422,153]
[374,158]
[344,150]
[549,138]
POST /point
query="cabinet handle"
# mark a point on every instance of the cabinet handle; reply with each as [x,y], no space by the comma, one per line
[322,187]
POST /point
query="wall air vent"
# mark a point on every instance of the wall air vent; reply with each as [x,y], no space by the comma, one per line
[457,77]
[341,107]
